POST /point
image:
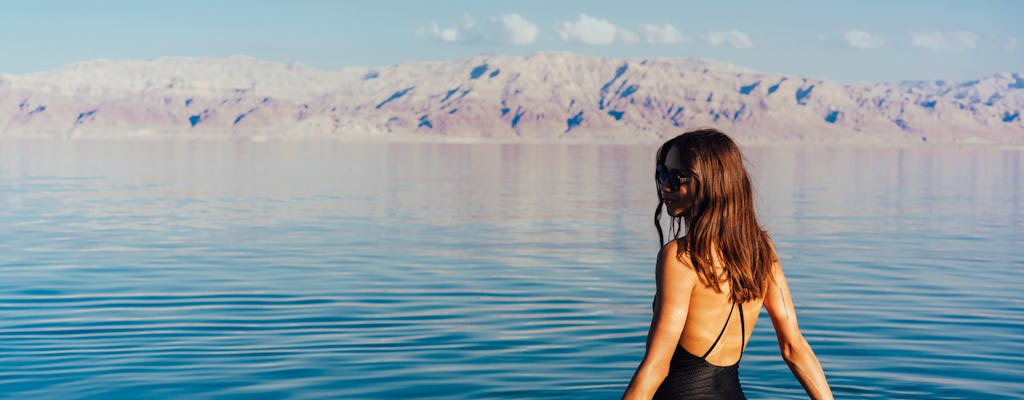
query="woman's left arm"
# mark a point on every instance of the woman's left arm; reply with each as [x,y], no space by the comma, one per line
[675,279]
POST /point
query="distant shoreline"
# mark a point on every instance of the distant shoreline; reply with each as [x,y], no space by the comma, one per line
[437,139]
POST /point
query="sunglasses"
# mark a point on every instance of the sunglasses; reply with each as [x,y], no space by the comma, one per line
[674,179]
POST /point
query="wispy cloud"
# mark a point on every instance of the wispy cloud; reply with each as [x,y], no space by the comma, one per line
[661,34]
[945,41]
[1011,44]
[863,40]
[506,29]
[732,38]
[436,32]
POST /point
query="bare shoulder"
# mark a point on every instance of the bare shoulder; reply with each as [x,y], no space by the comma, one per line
[675,278]
[673,256]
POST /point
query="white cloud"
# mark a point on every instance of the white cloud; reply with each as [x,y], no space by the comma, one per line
[513,29]
[733,38]
[945,41]
[1011,44]
[510,29]
[661,34]
[594,31]
[863,40]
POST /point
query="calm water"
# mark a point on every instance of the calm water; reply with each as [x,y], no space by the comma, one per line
[156,269]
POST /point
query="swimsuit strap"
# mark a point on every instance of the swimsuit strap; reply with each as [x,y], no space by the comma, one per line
[743,333]
[720,333]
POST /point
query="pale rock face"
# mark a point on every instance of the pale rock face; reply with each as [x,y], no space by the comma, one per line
[545,96]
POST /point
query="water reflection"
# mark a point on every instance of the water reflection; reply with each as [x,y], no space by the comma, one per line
[339,270]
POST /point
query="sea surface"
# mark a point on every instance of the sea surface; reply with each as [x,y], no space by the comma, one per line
[220,269]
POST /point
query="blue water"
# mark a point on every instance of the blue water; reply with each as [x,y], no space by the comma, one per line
[319,269]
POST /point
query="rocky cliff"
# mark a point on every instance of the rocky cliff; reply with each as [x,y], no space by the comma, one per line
[546,96]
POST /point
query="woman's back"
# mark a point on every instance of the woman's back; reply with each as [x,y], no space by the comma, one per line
[709,312]
[706,357]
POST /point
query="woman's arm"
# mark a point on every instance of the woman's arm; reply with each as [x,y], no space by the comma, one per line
[795,349]
[675,280]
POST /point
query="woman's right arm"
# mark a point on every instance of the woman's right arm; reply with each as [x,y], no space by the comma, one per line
[795,349]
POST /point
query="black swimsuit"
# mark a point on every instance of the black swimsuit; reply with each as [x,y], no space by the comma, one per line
[693,377]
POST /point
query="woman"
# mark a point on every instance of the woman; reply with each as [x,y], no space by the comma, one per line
[712,282]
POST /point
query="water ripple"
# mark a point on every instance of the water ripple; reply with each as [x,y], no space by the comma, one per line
[301,270]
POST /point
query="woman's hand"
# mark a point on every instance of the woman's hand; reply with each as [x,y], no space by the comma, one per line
[795,349]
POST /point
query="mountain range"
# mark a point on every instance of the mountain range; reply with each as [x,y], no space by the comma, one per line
[542,97]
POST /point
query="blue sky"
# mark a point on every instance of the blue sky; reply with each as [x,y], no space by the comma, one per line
[874,41]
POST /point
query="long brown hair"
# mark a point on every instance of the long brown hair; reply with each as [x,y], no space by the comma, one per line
[721,219]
